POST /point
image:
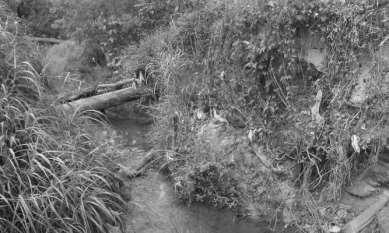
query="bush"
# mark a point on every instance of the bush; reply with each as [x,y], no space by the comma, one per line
[111,23]
[52,176]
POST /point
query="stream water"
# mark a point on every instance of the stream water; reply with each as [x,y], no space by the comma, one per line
[155,209]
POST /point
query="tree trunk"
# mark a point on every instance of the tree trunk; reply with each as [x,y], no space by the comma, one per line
[106,100]
[117,85]
[85,93]
[95,90]
[44,40]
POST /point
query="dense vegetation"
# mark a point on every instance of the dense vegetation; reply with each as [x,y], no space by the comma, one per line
[247,60]
[54,177]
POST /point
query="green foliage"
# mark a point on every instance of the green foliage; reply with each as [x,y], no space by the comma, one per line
[249,55]
[154,14]
[114,23]
[111,23]
[53,177]
[37,17]
[258,53]
[210,183]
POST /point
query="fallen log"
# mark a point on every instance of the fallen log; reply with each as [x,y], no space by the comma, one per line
[88,92]
[95,90]
[361,221]
[44,40]
[106,100]
[117,85]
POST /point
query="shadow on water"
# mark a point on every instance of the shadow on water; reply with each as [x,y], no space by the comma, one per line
[132,133]
[155,209]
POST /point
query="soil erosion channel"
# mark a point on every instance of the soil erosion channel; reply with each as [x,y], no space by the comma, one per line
[155,209]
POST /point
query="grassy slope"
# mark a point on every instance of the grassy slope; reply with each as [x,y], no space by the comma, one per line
[246,55]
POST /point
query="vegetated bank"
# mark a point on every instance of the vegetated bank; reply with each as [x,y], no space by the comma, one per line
[271,107]
[266,107]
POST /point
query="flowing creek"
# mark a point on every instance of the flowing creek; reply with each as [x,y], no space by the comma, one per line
[155,209]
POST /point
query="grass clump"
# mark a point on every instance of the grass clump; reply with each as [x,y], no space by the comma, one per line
[52,178]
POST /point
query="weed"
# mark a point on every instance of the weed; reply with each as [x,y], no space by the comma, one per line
[52,179]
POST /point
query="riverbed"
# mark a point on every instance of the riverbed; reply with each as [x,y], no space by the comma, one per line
[154,207]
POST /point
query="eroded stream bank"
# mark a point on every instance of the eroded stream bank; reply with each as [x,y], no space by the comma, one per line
[154,207]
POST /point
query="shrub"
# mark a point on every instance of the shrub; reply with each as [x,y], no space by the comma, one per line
[52,177]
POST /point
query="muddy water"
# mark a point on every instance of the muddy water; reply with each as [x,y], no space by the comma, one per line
[132,134]
[154,208]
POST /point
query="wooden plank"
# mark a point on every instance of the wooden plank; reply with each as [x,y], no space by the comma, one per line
[44,40]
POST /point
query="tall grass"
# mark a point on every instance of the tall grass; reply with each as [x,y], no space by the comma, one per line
[51,177]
